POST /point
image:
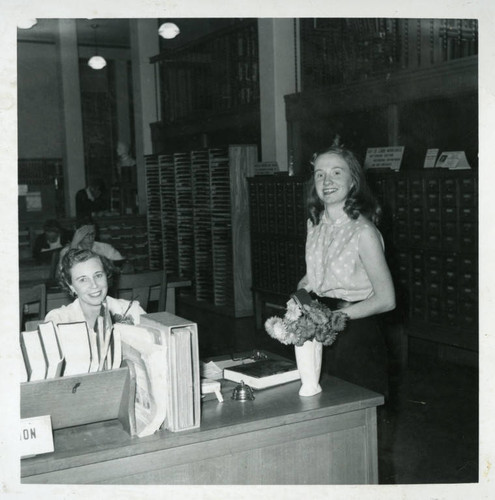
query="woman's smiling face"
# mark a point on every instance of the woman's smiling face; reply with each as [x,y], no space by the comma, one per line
[89,281]
[333,179]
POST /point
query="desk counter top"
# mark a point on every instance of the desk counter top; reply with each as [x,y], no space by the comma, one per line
[239,435]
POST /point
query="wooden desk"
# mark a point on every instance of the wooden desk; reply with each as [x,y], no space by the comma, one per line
[279,438]
[59,298]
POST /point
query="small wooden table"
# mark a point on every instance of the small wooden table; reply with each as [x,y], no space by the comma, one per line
[279,438]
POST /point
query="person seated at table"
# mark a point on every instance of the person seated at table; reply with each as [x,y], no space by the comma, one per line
[85,276]
[85,238]
[53,238]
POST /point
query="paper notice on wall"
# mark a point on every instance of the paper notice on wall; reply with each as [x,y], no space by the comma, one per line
[33,201]
[431,158]
[390,157]
[266,168]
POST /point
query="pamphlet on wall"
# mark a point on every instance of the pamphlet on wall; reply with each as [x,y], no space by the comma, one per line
[453,160]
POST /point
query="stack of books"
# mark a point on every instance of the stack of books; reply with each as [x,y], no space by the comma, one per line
[68,349]
[162,354]
[42,354]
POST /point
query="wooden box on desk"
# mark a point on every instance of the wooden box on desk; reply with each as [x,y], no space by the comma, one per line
[83,399]
[183,374]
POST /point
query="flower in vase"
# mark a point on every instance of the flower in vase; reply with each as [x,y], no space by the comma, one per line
[302,322]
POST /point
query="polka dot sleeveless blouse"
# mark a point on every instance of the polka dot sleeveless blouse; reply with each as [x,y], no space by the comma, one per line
[333,266]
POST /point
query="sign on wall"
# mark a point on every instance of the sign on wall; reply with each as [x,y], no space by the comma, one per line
[389,157]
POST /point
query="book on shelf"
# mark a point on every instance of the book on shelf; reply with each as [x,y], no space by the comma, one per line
[263,373]
[32,352]
[75,344]
[148,359]
[180,337]
[51,349]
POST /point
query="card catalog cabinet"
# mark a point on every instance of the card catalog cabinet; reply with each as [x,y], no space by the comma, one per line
[278,236]
[198,223]
[430,227]
[433,247]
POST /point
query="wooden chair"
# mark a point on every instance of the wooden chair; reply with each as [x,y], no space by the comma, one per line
[139,286]
[32,302]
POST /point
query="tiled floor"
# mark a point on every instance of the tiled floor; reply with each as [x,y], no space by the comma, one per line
[430,433]
[427,432]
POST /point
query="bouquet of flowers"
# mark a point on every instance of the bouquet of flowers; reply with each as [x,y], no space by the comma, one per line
[306,321]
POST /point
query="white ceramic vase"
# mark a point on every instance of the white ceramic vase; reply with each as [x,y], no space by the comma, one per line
[308,359]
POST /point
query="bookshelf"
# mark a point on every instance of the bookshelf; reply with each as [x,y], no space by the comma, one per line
[205,223]
[153,218]
[343,50]
[209,90]
[379,82]
[168,212]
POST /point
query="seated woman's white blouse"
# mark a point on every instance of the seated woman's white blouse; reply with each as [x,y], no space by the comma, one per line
[73,313]
[333,266]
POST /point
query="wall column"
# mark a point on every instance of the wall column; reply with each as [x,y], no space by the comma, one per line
[73,154]
[144,44]
[278,76]
[122,95]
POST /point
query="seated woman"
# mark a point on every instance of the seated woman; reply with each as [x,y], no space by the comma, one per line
[48,243]
[84,274]
[85,238]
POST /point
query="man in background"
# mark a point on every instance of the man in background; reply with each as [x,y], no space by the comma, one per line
[89,201]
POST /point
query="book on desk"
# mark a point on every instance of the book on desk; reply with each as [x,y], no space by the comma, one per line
[263,373]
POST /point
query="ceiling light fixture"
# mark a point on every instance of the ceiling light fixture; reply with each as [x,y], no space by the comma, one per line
[96,62]
[26,24]
[168,30]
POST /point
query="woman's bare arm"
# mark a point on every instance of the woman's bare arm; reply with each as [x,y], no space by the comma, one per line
[373,259]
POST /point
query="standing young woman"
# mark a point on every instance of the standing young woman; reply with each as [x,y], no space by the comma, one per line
[346,266]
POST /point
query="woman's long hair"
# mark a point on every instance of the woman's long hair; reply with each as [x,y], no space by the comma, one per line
[360,200]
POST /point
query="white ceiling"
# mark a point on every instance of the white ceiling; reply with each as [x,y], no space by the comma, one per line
[116,33]
[109,32]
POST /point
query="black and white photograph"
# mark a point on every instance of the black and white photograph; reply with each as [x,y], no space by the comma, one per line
[248,249]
